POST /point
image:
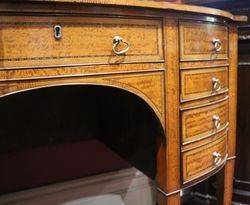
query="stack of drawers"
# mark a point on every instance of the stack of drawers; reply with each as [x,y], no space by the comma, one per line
[203,97]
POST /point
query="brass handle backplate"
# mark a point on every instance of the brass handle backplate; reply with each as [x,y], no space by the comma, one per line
[217,44]
[118,40]
[216,84]
[217,158]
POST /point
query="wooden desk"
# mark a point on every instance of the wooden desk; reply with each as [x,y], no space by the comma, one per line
[181,60]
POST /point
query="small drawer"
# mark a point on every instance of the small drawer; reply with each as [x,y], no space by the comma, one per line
[201,83]
[203,41]
[52,41]
[200,123]
[204,159]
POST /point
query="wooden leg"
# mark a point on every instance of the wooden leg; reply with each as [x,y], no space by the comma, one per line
[161,179]
[228,182]
[174,199]
[161,199]
[225,184]
[220,186]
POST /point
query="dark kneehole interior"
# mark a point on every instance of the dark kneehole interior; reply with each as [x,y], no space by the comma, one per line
[61,133]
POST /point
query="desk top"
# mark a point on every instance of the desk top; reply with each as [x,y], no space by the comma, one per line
[155,5]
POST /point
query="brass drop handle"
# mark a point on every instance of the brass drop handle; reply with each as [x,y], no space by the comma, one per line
[217,158]
[217,44]
[216,120]
[116,41]
[216,84]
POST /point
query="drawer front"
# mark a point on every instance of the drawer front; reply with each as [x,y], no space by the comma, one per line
[49,41]
[202,160]
[200,83]
[203,41]
[202,122]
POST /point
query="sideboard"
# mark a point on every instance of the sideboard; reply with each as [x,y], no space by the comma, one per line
[181,60]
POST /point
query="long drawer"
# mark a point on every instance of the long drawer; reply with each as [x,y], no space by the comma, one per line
[28,41]
[202,160]
[200,83]
[202,122]
[203,41]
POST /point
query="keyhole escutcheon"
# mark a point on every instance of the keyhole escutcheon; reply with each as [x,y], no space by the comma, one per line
[58,32]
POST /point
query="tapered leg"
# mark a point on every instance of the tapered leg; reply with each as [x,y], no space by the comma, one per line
[161,199]
[225,184]
[228,182]
[220,186]
[174,199]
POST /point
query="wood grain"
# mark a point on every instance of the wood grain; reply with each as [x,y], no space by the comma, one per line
[152,4]
[149,87]
[204,101]
[233,53]
[196,41]
[198,123]
[203,64]
[30,41]
[198,83]
[76,71]
[199,161]
[172,111]
[170,64]
[233,59]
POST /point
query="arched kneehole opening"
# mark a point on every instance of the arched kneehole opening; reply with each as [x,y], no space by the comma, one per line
[61,133]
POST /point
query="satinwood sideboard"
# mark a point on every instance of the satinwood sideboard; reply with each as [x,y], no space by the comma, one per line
[181,60]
